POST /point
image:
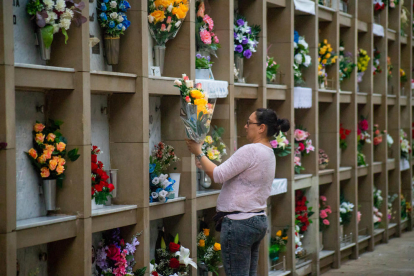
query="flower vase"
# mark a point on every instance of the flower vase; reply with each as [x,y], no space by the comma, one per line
[204,180]
[159,57]
[402,91]
[320,241]
[49,191]
[113,175]
[112,49]
[238,61]
[44,52]
[203,74]
[96,206]
[176,186]
[322,166]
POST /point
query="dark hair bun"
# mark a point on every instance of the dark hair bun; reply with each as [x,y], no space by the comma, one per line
[269,118]
[284,124]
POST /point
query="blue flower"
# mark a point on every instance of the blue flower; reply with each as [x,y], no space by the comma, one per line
[105,1]
[103,7]
[152,168]
[103,16]
[112,24]
[124,5]
[119,26]
[126,23]
[158,190]
[151,199]
[296,37]
[247,54]
[239,48]
[208,58]
[240,22]
[170,188]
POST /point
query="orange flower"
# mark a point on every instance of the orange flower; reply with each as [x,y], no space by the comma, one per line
[180,11]
[38,127]
[33,153]
[163,3]
[52,165]
[200,102]
[47,154]
[60,169]
[42,159]
[60,146]
[185,2]
[158,15]
[50,148]
[50,137]
[44,172]
[39,138]
[201,243]
[217,247]
[61,161]
[206,232]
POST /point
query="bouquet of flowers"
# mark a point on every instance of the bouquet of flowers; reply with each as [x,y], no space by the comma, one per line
[172,260]
[403,77]
[112,16]
[405,146]
[343,132]
[206,40]
[389,68]
[161,185]
[280,145]
[379,5]
[196,109]
[100,189]
[208,251]
[323,158]
[54,16]
[165,18]
[302,212]
[377,217]
[390,141]
[393,3]
[203,62]
[404,18]
[345,211]
[303,146]
[346,64]
[324,211]
[301,57]
[299,250]
[378,135]
[378,199]
[326,57]
[391,199]
[362,138]
[115,257]
[271,69]
[363,60]
[278,244]
[246,38]
[405,208]
[213,146]
[49,150]
[376,63]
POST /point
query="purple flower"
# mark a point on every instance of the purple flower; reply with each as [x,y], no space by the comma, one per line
[239,48]
[198,56]
[247,54]
[235,35]
[250,30]
[245,40]
[240,22]
[208,58]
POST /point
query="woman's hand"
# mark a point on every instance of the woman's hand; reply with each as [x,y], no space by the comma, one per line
[198,164]
[193,147]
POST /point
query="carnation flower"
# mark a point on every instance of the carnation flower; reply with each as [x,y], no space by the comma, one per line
[65,23]
[60,5]
[49,4]
[68,14]
[51,17]
[205,36]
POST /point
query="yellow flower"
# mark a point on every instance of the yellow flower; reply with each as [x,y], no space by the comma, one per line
[180,11]
[52,164]
[201,108]
[285,238]
[329,46]
[200,102]
[328,55]
[49,148]
[44,172]
[38,127]
[60,169]
[42,159]
[60,146]
[217,247]
[163,3]
[61,161]
[206,232]
[158,15]
[39,138]
[180,1]
[201,243]
[33,153]
[324,61]
[208,139]
[51,137]
[319,59]
[279,233]
[196,94]
[325,41]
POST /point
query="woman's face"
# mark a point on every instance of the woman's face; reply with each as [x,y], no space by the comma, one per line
[253,128]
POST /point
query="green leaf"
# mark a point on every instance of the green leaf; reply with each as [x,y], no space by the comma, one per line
[163,246]
[47,35]
[73,155]
[140,272]
[58,123]
[176,240]
[65,34]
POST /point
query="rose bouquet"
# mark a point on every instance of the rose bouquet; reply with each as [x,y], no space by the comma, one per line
[54,16]
[324,211]
[161,185]
[206,40]
[378,135]
[172,260]
[345,211]
[346,63]
[280,145]
[343,133]
[101,189]
[246,38]
[213,146]
[301,57]
[49,150]
[112,16]
[376,68]
[196,109]
[165,18]
[303,146]
[302,212]
[208,251]
[323,159]
[278,244]
[115,257]
[326,57]
[405,146]
[271,69]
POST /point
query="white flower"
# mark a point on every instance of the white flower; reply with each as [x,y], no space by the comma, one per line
[51,17]
[341,48]
[169,28]
[65,23]
[342,210]
[295,45]
[60,5]
[163,177]
[298,58]
[308,60]
[165,183]
[155,181]
[189,83]
[154,195]
[49,4]
[177,82]
[123,28]
[185,259]
[240,37]
[170,7]
[178,24]
[150,18]
[303,42]
[162,195]
[56,28]
[113,4]
[67,14]
[113,15]
[120,19]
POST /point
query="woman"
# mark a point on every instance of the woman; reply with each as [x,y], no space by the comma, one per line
[247,178]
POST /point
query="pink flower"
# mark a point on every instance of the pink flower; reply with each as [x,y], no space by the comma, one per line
[328,211]
[207,19]
[359,216]
[187,99]
[168,19]
[273,143]
[163,27]
[198,85]
[323,214]
[323,198]
[325,221]
[297,161]
[364,125]
[205,37]
[216,40]
[301,135]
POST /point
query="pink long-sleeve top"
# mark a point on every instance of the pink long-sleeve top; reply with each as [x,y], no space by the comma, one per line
[247,178]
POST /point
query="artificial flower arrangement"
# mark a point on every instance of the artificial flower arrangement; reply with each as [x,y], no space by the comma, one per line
[378,199]
[343,133]
[405,146]
[172,260]
[376,62]
[324,211]
[49,151]
[115,257]
[391,199]
[196,109]
[271,69]
[299,250]
[362,138]
[362,63]
[301,57]
[390,141]
[54,16]
[280,145]
[405,208]
[403,77]
[389,68]
[404,18]
[326,57]
[246,38]
[165,18]
[161,185]
[208,251]
[323,159]
[206,39]
[379,5]
[213,146]
[346,63]
[112,17]
[278,244]
[203,62]
[345,211]
[303,146]
[100,189]
[378,135]
[302,212]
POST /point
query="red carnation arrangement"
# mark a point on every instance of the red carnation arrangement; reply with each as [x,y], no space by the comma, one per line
[343,132]
[100,189]
[302,211]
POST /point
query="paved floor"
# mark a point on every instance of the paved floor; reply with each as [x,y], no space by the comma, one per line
[395,259]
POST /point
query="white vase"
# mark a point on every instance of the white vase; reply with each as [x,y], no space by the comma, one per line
[96,206]
[176,186]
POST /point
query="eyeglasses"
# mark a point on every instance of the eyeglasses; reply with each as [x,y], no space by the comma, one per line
[248,123]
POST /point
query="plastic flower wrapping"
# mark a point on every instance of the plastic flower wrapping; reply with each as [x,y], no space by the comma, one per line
[376,67]
[405,145]
[49,150]
[343,133]
[246,38]
[345,211]
[280,145]
[196,109]
[324,211]
[303,146]
[112,16]
[54,16]
[206,39]
[271,69]
[213,146]
[100,189]
[363,60]
[302,212]
[173,260]
[208,250]
[404,18]
[326,57]
[165,18]
[115,257]
[346,63]
[378,135]
[278,244]
[302,59]
[161,186]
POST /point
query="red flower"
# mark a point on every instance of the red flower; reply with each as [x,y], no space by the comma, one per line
[103,183]
[363,125]
[94,167]
[113,252]
[301,146]
[122,242]
[174,263]
[303,228]
[100,165]
[94,158]
[343,136]
[174,247]
[99,187]
[347,132]
[111,187]
[102,174]
[154,273]
[92,190]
